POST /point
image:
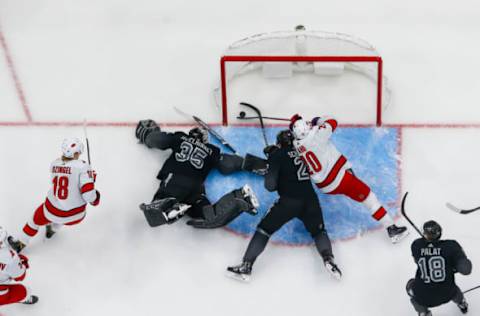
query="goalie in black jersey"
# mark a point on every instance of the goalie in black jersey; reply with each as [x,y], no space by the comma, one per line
[437,261]
[288,175]
[182,176]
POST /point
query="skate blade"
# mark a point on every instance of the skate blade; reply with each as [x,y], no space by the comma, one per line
[335,274]
[397,238]
[239,277]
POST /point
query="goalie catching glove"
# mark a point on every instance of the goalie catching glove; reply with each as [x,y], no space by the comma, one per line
[144,128]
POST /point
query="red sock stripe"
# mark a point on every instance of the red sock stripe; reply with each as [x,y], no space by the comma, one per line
[333,173]
[29,230]
[87,187]
[379,214]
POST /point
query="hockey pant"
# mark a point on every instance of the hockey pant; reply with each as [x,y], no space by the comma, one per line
[284,210]
[357,190]
[457,298]
[12,293]
[60,218]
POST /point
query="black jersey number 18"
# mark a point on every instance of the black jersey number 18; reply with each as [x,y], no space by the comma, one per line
[432,269]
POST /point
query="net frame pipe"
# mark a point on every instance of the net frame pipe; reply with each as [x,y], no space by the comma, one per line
[246,58]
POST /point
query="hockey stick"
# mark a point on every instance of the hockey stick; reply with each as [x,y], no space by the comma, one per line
[208,128]
[461,211]
[86,140]
[260,117]
[407,218]
[242,116]
[473,288]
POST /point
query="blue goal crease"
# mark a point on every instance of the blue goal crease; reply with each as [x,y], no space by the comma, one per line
[373,154]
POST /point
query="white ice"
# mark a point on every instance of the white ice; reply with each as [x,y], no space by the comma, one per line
[120,61]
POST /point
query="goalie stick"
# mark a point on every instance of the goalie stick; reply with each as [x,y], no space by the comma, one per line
[407,218]
[461,211]
[208,128]
[260,117]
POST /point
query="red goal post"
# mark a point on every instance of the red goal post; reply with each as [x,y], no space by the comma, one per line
[226,59]
[301,47]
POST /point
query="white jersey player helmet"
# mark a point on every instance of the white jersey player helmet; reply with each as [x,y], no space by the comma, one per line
[299,127]
[71,146]
[3,237]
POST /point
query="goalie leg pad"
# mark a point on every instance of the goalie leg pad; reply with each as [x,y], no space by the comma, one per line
[224,211]
[255,164]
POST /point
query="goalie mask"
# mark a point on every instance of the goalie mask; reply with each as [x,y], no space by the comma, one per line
[432,230]
[71,146]
[199,133]
[299,127]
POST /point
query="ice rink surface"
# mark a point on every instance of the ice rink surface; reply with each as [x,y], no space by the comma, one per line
[115,62]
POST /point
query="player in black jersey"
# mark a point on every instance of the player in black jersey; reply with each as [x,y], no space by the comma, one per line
[437,261]
[182,176]
[288,175]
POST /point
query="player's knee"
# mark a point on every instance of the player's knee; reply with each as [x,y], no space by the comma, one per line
[39,216]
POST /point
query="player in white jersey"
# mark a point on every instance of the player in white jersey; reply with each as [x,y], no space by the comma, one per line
[331,171]
[72,187]
[13,268]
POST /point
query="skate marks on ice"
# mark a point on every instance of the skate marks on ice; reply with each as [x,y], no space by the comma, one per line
[373,153]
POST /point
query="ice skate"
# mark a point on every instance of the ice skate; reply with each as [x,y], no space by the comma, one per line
[428,313]
[332,268]
[251,199]
[49,232]
[397,233]
[240,272]
[16,244]
[30,300]
[463,306]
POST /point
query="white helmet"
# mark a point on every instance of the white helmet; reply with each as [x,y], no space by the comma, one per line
[3,237]
[71,146]
[299,127]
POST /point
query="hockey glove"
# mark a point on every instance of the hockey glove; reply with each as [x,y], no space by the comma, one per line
[24,261]
[270,149]
[97,199]
[144,128]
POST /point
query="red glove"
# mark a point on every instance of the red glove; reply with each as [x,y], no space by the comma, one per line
[24,261]
[97,200]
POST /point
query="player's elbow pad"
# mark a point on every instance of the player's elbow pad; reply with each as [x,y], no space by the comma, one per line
[464,266]
[158,140]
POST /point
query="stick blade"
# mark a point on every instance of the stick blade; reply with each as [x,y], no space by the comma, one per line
[453,207]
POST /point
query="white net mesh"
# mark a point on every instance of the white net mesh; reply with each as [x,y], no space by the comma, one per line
[303,43]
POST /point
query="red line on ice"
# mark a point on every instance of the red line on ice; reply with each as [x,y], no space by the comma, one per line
[14,75]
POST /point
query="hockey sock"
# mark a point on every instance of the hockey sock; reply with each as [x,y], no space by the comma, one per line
[377,210]
[256,246]
[323,245]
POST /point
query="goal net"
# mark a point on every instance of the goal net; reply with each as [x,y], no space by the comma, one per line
[302,71]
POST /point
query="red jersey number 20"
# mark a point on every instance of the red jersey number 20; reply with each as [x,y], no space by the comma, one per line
[312,162]
[60,187]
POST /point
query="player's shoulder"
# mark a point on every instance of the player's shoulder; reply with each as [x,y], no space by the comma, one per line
[80,164]
[450,243]
[418,243]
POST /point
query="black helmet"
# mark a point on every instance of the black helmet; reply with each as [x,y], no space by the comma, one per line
[199,133]
[284,138]
[432,230]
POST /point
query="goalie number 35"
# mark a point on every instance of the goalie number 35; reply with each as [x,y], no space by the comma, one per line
[195,155]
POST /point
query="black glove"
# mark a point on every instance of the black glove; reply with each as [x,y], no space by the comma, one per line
[255,164]
[144,128]
[270,149]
